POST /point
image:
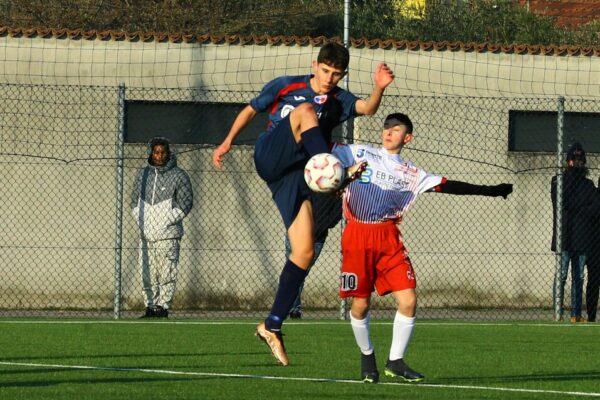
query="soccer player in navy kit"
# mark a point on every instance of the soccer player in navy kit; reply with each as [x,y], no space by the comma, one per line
[373,252]
[300,109]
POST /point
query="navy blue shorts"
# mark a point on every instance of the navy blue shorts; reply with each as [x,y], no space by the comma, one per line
[280,162]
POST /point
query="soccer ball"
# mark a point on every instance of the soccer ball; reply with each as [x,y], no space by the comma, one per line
[324,173]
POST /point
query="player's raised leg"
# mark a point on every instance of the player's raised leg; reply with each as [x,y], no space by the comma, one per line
[305,126]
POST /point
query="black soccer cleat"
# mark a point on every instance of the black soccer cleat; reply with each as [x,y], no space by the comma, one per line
[160,312]
[398,368]
[368,368]
[149,313]
[295,314]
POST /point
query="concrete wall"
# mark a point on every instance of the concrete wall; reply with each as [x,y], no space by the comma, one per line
[420,69]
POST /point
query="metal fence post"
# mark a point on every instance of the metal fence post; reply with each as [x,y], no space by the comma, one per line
[346,128]
[558,290]
[119,201]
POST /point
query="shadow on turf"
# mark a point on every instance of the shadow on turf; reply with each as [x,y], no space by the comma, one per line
[575,376]
[46,358]
[267,362]
[87,381]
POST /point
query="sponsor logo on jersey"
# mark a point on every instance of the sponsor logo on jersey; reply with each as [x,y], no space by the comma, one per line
[366,176]
[373,155]
[390,181]
[321,99]
[299,98]
[361,153]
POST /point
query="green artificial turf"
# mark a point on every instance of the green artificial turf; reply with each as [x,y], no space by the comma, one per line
[67,359]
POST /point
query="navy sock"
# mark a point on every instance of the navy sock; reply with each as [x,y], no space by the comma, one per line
[290,280]
[314,141]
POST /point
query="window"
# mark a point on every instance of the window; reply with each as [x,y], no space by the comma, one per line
[536,131]
[187,122]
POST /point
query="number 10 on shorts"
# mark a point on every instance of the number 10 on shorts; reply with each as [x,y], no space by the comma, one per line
[348,281]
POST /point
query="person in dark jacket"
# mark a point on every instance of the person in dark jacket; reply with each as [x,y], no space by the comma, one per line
[162,196]
[577,194]
[592,289]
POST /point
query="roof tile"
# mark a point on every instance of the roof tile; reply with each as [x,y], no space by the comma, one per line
[76,34]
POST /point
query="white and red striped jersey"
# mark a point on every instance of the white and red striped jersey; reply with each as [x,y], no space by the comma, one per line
[386,189]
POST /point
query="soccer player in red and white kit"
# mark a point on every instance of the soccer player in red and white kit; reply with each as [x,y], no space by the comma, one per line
[373,252]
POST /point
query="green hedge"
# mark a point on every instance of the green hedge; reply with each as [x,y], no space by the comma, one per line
[501,22]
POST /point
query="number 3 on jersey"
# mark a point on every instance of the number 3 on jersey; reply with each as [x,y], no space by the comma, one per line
[348,281]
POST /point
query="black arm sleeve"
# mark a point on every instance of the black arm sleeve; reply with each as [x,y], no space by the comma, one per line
[458,187]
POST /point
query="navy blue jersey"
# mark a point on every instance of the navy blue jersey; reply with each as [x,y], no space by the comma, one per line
[281,95]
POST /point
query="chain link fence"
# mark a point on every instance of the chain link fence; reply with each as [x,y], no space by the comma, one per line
[70,243]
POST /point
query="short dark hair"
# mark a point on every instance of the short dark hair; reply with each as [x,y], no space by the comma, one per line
[398,119]
[159,140]
[335,55]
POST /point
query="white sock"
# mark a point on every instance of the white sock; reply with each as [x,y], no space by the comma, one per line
[403,328]
[360,327]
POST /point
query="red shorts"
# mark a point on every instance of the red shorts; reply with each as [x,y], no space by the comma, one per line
[374,257]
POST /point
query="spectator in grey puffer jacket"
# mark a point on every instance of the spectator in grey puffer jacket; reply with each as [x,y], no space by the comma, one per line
[162,196]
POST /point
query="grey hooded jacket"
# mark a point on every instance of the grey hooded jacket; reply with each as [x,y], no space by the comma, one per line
[161,198]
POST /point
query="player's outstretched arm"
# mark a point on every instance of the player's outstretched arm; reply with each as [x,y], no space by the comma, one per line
[383,77]
[243,118]
[464,188]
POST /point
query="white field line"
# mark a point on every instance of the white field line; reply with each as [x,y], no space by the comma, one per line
[282,378]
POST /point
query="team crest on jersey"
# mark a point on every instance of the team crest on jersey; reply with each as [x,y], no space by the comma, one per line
[407,167]
[320,99]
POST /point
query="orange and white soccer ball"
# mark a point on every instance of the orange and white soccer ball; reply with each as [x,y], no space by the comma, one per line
[324,173]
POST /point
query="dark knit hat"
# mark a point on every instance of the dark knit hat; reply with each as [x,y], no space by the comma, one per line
[576,152]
